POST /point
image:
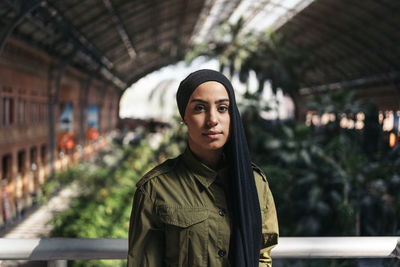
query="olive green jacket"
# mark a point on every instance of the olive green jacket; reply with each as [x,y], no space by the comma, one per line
[180,216]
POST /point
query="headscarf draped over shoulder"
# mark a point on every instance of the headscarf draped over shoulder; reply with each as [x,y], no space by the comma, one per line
[246,233]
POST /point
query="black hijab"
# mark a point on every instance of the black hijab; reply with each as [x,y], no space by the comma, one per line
[246,233]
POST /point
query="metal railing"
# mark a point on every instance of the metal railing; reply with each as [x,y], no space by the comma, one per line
[59,250]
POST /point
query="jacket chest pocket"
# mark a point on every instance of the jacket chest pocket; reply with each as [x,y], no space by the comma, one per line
[186,235]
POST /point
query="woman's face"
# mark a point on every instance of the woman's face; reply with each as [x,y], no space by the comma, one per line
[207,118]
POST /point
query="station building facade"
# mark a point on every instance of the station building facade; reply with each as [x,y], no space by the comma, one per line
[50,117]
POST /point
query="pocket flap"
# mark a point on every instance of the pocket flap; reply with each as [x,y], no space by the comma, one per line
[182,217]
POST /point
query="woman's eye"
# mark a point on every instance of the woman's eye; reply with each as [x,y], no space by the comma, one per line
[223,108]
[199,108]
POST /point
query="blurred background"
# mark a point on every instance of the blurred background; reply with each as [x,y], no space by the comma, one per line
[87,104]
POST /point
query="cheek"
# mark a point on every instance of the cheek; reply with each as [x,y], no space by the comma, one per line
[227,123]
[193,123]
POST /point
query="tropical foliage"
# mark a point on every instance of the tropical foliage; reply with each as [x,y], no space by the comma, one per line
[328,180]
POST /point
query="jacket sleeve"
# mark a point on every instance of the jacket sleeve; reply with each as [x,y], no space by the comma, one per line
[146,236]
[270,231]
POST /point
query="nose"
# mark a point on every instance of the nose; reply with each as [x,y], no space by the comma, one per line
[212,118]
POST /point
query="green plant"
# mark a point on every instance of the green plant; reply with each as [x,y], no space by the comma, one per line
[328,180]
[103,208]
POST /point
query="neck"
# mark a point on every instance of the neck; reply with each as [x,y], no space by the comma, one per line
[209,158]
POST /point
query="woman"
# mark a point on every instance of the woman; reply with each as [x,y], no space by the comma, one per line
[210,206]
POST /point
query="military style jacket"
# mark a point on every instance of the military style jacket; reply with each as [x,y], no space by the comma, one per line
[180,216]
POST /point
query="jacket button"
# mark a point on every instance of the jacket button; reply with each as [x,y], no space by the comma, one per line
[222,212]
[221,252]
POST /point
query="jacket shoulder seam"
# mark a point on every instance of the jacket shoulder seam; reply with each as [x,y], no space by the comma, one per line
[259,171]
[163,168]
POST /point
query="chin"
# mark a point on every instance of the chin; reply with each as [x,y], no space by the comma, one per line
[214,147]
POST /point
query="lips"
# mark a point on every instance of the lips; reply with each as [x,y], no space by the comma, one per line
[212,134]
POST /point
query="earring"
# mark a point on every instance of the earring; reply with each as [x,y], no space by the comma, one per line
[181,122]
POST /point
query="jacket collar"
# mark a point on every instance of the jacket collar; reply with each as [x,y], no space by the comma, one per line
[204,174]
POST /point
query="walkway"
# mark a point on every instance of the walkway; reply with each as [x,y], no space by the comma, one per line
[37,224]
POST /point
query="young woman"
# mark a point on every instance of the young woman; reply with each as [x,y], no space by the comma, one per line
[210,206]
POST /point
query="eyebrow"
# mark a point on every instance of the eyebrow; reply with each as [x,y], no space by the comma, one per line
[206,102]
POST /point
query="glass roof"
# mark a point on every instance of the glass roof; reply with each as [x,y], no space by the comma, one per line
[258,15]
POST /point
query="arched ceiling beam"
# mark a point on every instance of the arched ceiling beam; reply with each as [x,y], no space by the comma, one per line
[51,22]
[155,45]
[131,17]
[87,50]
[22,8]
[89,20]
[121,29]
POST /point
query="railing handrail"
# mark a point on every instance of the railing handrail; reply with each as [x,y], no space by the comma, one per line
[112,248]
